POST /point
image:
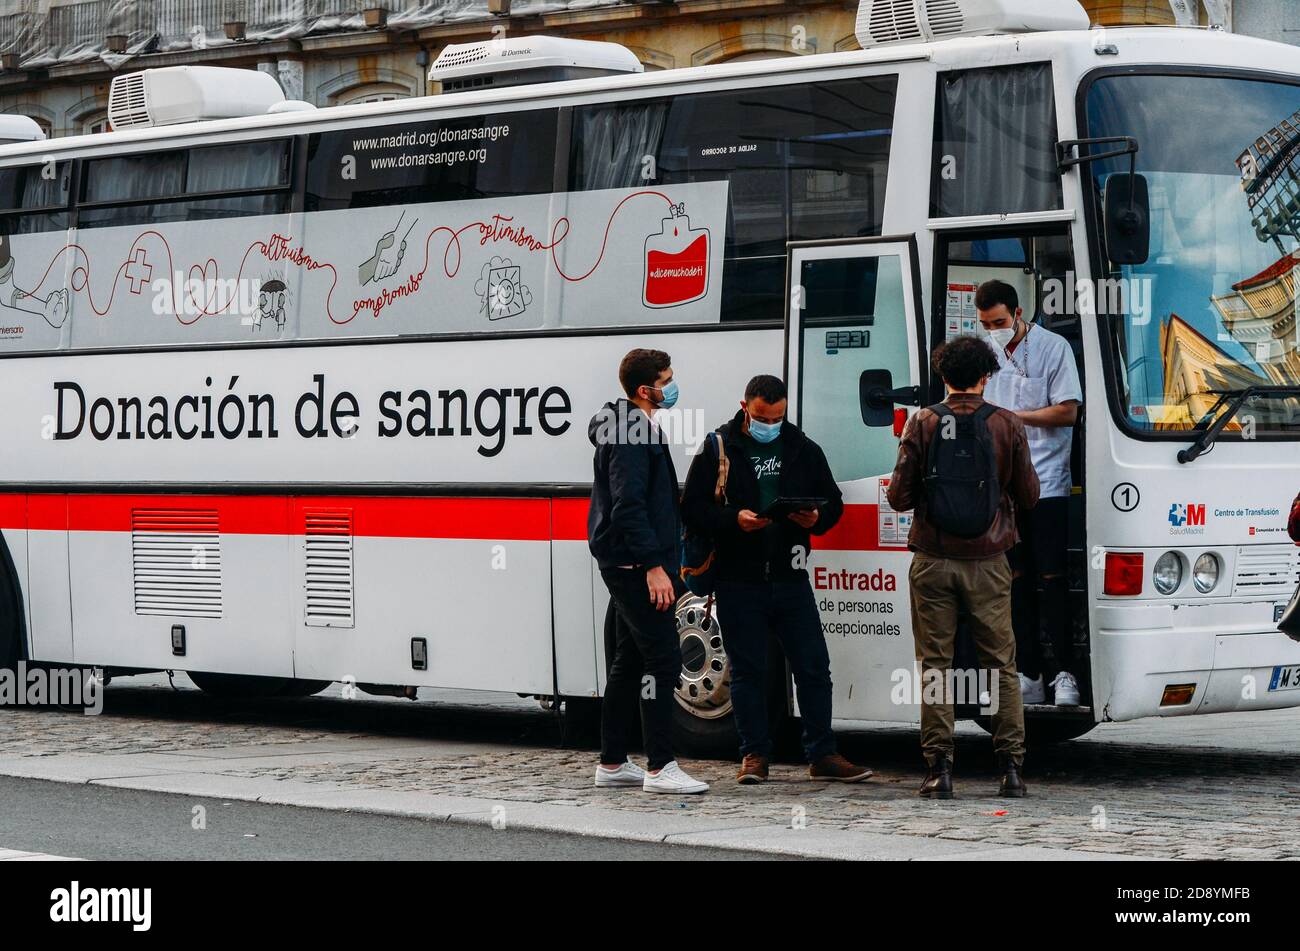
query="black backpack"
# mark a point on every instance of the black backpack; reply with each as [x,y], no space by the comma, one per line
[962,491]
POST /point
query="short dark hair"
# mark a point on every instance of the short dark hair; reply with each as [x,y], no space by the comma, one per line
[766,387]
[964,361]
[992,293]
[642,368]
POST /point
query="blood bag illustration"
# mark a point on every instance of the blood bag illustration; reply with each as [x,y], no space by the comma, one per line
[676,262]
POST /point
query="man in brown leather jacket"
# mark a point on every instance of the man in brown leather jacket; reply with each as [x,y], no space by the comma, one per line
[955,576]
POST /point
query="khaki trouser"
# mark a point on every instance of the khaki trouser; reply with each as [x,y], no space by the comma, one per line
[942,589]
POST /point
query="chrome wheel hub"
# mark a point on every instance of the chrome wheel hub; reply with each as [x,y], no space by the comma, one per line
[704,687]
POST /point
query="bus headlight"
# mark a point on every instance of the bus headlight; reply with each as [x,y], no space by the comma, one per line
[1167,575]
[1205,573]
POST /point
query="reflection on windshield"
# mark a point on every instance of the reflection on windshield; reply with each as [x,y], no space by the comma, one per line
[1222,157]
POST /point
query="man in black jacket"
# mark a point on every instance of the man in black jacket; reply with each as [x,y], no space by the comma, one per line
[633,530]
[762,585]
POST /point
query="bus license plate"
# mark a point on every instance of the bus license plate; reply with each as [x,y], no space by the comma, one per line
[1285,678]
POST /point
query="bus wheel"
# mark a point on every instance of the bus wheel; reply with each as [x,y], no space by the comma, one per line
[703,724]
[1047,729]
[238,685]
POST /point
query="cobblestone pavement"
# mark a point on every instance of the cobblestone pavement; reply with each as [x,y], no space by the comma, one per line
[1198,787]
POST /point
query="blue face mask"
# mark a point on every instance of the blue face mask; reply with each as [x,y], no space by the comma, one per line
[669,395]
[763,432]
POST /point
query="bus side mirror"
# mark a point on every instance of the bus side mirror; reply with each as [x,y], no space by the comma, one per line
[1127,217]
[877,397]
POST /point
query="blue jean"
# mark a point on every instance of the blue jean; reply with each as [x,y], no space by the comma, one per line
[750,614]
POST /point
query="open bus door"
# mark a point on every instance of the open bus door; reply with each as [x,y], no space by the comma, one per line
[856,369]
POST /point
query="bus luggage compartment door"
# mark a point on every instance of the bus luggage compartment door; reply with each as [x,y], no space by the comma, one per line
[471,577]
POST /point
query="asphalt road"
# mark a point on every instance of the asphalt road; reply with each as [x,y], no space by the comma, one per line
[102,823]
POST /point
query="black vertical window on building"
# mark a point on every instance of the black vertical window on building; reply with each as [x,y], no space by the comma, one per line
[809,161]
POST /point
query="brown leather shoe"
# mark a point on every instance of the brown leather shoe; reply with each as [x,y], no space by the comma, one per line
[836,768]
[753,770]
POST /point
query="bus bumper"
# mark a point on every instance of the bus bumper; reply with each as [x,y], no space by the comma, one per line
[1139,651]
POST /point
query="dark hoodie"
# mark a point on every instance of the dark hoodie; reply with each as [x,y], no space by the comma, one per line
[766,555]
[633,518]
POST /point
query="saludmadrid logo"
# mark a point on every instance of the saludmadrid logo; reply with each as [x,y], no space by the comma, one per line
[100,905]
[43,686]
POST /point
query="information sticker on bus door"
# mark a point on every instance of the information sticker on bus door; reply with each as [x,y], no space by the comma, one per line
[893,527]
[960,315]
[676,262]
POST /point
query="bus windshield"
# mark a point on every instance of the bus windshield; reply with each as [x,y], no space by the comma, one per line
[1214,307]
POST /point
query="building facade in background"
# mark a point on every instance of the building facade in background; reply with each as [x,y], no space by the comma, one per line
[57,57]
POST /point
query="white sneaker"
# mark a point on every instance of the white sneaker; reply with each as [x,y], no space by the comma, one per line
[672,780]
[1066,689]
[1031,691]
[623,775]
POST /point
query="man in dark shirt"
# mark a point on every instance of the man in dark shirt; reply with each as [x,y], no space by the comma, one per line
[762,580]
[633,530]
[951,575]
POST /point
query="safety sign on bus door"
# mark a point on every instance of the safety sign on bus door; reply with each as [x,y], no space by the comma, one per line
[892,527]
[960,317]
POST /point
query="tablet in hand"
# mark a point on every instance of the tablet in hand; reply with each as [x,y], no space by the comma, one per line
[787,506]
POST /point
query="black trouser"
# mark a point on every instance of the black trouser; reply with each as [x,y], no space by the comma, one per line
[646,666]
[1040,590]
[751,613]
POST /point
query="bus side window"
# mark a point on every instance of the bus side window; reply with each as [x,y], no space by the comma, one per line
[34,198]
[802,161]
[995,143]
[230,181]
[33,229]
[360,168]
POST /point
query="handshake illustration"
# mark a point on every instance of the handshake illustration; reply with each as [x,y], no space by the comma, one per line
[52,308]
[388,255]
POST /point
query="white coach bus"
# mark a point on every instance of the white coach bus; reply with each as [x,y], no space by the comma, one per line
[294,396]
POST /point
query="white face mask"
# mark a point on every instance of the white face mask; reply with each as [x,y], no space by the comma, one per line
[1002,338]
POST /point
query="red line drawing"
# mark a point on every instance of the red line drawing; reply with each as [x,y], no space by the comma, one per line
[137,267]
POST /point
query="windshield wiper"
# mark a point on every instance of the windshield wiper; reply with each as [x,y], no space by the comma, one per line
[1211,426]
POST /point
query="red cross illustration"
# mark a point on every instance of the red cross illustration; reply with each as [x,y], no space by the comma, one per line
[138,271]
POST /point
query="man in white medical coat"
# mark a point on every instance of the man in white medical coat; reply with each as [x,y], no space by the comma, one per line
[1039,382]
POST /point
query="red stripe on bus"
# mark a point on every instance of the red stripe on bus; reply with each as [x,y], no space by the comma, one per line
[857,530]
[377,516]
[236,514]
[526,519]
[569,519]
[13,511]
[386,517]
[45,512]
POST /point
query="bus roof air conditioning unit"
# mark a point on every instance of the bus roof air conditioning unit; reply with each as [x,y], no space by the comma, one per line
[520,60]
[175,94]
[15,128]
[883,22]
